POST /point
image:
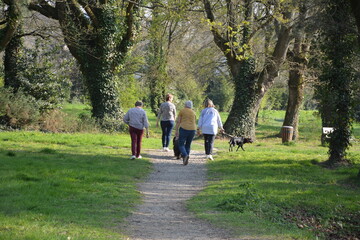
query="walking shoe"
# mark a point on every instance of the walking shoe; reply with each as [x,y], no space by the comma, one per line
[211,158]
[186,160]
[167,149]
[139,156]
[132,157]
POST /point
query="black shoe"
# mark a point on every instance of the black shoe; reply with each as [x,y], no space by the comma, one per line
[186,160]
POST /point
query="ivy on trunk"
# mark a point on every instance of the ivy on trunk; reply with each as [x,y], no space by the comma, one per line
[235,38]
[98,34]
[337,78]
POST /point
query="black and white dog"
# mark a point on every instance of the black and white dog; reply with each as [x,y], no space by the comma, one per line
[238,141]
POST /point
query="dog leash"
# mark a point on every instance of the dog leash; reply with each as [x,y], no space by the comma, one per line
[228,135]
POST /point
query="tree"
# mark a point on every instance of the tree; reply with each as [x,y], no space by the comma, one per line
[12,64]
[298,63]
[234,36]
[9,22]
[98,34]
[355,7]
[337,77]
[157,77]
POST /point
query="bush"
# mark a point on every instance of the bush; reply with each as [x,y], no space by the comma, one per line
[86,123]
[18,110]
[55,121]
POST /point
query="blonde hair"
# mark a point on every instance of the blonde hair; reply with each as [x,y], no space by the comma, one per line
[208,103]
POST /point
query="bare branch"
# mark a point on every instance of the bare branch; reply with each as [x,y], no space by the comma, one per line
[76,9]
[90,11]
[44,8]
[219,40]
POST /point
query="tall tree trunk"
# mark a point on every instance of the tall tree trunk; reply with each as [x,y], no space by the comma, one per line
[337,77]
[102,90]
[355,6]
[296,84]
[12,62]
[251,87]
[242,117]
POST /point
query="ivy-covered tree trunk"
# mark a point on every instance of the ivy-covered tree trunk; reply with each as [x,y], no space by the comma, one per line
[242,117]
[12,63]
[355,6]
[101,86]
[337,77]
[99,34]
[250,86]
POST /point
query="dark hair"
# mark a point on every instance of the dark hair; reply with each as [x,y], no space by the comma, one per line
[138,104]
[168,96]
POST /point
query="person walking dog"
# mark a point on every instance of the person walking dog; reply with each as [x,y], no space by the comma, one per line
[209,123]
[185,130]
[167,114]
[137,120]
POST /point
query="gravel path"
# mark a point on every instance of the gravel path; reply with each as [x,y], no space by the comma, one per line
[163,214]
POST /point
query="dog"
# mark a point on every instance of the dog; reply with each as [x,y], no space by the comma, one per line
[176,148]
[238,141]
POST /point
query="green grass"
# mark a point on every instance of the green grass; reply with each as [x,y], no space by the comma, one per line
[275,191]
[62,186]
[75,109]
[82,185]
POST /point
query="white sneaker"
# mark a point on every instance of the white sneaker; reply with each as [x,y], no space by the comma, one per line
[139,156]
[210,157]
[133,157]
[167,149]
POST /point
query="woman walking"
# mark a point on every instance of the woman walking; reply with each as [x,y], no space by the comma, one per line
[209,123]
[167,114]
[137,120]
[185,130]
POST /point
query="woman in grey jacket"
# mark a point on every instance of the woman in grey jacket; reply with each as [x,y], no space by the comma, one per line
[167,114]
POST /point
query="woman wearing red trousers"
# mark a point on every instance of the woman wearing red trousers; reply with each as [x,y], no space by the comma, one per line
[137,120]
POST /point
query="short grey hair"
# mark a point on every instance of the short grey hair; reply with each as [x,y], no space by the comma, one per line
[189,104]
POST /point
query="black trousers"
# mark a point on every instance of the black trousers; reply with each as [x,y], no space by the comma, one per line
[209,143]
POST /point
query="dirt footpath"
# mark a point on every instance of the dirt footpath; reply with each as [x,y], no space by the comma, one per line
[163,214]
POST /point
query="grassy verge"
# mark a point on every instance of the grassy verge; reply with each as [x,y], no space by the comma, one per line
[276,191]
[62,186]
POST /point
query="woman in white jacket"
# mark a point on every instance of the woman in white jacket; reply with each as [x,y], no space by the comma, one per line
[209,123]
